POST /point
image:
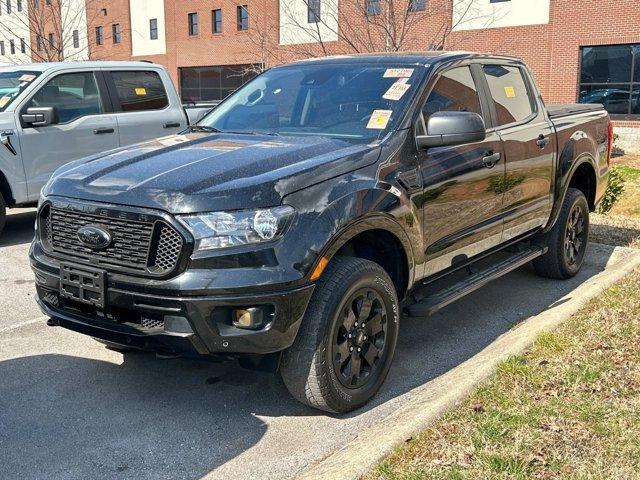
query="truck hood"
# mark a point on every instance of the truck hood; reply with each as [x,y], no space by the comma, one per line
[209,172]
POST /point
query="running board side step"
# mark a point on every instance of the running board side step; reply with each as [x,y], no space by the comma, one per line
[431,304]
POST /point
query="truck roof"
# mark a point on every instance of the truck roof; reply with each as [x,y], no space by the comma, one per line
[403,58]
[47,66]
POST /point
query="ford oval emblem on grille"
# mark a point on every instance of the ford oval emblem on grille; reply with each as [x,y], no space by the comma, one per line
[94,237]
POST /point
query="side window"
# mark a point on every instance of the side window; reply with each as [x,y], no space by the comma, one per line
[73,95]
[509,92]
[139,91]
[455,91]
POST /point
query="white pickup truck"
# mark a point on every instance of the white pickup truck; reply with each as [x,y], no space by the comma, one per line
[53,113]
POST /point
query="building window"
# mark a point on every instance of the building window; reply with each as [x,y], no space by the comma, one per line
[313,11]
[23,45]
[193,24]
[373,7]
[48,2]
[76,39]
[52,40]
[115,28]
[206,84]
[99,36]
[39,43]
[243,17]
[216,20]
[8,6]
[610,75]
[417,5]
[36,3]
[19,5]
[2,51]
[153,29]
[12,47]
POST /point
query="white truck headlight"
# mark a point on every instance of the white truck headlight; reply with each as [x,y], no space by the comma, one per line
[231,229]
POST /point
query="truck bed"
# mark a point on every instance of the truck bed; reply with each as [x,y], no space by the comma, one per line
[565,109]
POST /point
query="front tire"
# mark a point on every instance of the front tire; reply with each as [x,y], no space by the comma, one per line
[567,240]
[343,351]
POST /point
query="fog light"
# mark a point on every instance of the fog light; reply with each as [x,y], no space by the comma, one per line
[251,318]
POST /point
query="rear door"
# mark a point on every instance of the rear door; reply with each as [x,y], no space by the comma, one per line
[462,200]
[83,125]
[145,108]
[529,147]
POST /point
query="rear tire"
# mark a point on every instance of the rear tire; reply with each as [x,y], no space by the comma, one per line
[567,240]
[3,214]
[343,351]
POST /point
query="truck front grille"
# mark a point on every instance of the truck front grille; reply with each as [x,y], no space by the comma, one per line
[151,247]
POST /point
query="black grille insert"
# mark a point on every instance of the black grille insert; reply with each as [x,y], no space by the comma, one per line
[148,247]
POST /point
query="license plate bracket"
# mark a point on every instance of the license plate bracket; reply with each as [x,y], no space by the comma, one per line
[82,284]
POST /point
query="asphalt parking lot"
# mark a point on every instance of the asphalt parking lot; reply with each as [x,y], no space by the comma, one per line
[69,408]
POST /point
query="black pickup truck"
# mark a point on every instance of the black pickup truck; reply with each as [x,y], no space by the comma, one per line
[299,220]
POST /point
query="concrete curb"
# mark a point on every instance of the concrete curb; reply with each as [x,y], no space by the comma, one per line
[430,401]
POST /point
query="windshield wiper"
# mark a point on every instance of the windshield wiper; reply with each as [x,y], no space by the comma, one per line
[202,128]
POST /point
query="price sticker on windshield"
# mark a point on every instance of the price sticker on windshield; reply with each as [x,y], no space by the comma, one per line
[398,73]
[4,101]
[396,91]
[379,119]
[27,78]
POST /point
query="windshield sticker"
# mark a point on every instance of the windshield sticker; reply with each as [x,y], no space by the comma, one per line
[402,80]
[396,91]
[4,101]
[141,91]
[27,78]
[379,119]
[398,72]
[510,92]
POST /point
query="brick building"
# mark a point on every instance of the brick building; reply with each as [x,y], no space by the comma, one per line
[585,51]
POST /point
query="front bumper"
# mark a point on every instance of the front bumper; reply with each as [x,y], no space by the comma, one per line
[173,323]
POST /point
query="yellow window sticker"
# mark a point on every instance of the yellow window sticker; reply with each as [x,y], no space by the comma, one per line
[4,101]
[27,78]
[379,119]
[396,91]
[141,91]
[398,73]
[510,92]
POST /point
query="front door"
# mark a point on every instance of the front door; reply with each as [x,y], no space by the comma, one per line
[463,194]
[80,128]
[529,144]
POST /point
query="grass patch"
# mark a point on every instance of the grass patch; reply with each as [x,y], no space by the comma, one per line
[567,408]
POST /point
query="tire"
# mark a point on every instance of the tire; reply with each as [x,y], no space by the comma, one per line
[318,369]
[567,240]
[3,213]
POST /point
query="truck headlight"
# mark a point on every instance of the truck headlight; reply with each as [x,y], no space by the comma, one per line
[230,229]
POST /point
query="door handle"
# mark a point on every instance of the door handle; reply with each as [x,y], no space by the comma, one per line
[171,125]
[491,159]
[101,131]
[542,141]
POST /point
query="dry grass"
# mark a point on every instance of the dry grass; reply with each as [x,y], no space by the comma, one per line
[568,408]
[621,226]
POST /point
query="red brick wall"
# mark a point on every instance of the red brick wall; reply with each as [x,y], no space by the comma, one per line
[117,12]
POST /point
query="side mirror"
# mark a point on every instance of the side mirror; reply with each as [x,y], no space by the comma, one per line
[39,117]
[452,128]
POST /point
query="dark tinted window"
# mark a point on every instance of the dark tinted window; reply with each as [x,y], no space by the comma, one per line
[140,91]
[73,95]
[610,75]
[455,91]
[509,92]
[203,84]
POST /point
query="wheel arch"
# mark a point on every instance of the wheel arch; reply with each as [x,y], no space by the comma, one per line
[5,190]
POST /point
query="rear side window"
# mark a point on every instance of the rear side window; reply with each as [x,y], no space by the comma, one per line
[455,91]
[73,95]
[139,91]
[510,94]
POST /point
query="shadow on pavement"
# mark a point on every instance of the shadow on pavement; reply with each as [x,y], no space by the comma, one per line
[19,227]
[74,417]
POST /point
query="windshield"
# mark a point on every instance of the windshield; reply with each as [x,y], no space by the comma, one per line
[354,102]
[12,84]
